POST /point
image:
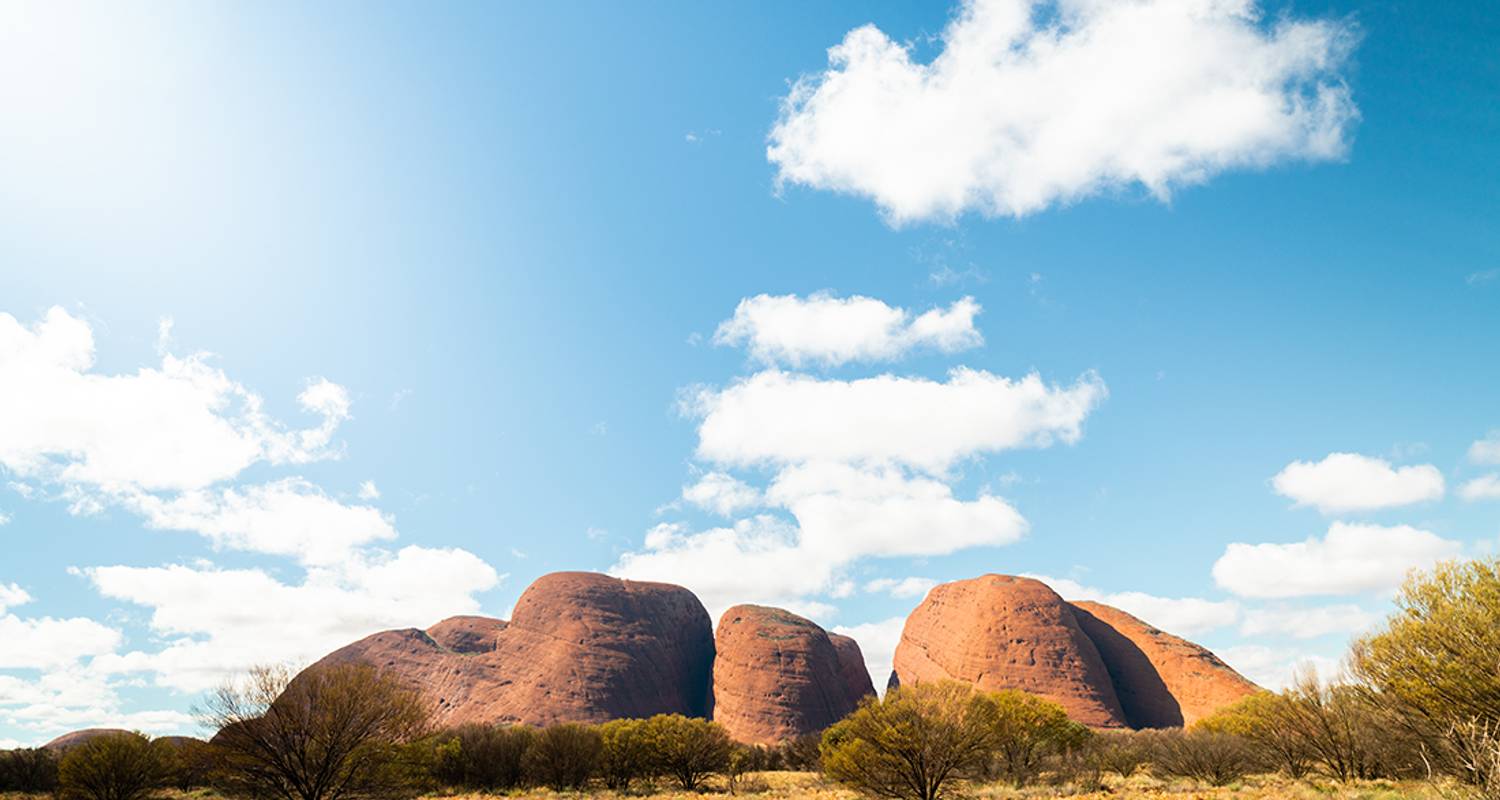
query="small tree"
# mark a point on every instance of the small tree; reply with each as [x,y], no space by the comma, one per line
[1213,757]
[1266,721]
[564,756]
[625,752]
[482,757]
[114,766]
[687,749]
[914,742]
[30,770]
[332,732]
[1027,728]
[1122,752]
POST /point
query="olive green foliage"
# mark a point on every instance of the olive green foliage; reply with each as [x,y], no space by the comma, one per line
[114,766]
[1214,757]
[1433,666]
[1121,752]
[340,732]
[1026,729]
[28,770]
[482,758]
[564,756]
[625,753]
[686,749]
[914,743]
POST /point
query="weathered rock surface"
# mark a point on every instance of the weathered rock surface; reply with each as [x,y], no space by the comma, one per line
[580,647]
[1162,680]
[75,738]
[852,667]
[1002,632]
[467,634]
[778,676]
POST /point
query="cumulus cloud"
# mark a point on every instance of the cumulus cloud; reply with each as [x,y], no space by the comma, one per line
[1344,482]
[779,418]
[1486,450]
[1350,559]
[12,595]
[181,425]
[827,330]
[1184,616]
[1034,103]
[877,642]
[722,494]
[1484,487]
[1275,668]
[368,491]
[216,622]
[48,643]
[289,517]
[1346,620]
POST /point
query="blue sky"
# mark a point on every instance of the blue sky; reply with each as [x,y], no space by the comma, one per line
[390,313]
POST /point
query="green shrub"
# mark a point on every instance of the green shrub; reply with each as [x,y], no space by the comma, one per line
[483,758]
[625,753]
[563,756]
[1121,752]
[1214,757]
[687,749]
[114,766]
[1026,729]
[31,770]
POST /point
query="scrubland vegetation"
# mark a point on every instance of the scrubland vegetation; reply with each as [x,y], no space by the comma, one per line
[1417,715]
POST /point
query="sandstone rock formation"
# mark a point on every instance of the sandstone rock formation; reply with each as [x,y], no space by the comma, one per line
[1107,668]
[75,738]
[467,634]
[1003,632]
[580,647]
[1161,680]
[778,676]
[852,668]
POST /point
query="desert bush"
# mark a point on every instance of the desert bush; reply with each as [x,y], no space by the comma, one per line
[1265,720]
[482,758]
[334,732]
[1026,729]
[1121,752]
[1432,667]
[563,756]
[914,743]
[687,749]
[114,766]
[31,770]
[625,752]
[1213,757]
[801,754]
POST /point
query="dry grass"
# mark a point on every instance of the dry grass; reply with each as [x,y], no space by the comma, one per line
[809,786]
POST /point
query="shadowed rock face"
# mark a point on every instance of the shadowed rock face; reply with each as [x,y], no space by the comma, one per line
[75,738]
[852,667]
[1003,632]
[580,647]
[1161,680]
[778,676]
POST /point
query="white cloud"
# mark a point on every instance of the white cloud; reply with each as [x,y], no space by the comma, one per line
[901,587]
[1274,668]
[1347,620]
[4,518]
[217,622]
[1183,616]
[1486,450]
[777,417]
[827,330]
[1345,482]
[288,517]
[1035,103]
[48,643]
[12,595]
[183,425]
[367,491]
[722,494]
[1484,487]
[877,642]
[1351,559]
